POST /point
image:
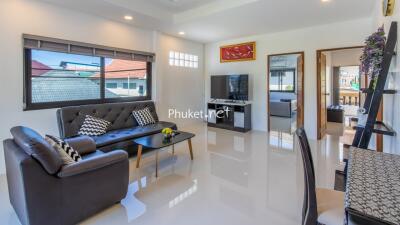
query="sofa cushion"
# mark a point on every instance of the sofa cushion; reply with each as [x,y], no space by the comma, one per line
[143,117]
[67,153]
[131,133]
[36,146]
[82,144]
[93,126]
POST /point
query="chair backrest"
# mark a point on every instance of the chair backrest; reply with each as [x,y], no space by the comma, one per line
[33,144]
[309,213]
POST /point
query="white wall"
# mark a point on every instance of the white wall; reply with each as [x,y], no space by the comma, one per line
[351,33]
[346,57]
[391,103]
[32,17]
[178,88]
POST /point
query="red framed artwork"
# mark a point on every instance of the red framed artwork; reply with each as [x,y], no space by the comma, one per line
[238,52]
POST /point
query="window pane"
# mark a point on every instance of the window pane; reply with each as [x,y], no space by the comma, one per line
[282,80]
[58,77]
[176,55]
[171,62]
[171,54]
[274,81]
[288,81]
[196,58]
[124,72]
[196,65]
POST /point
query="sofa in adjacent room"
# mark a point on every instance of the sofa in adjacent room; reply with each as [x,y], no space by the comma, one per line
[335,114]
[283,107]
[124,128]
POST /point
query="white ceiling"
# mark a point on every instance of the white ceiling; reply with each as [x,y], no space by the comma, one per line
[214,20]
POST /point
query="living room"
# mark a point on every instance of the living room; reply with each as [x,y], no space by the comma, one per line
[165,108]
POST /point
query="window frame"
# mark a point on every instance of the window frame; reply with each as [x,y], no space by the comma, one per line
[27,87]
[294,80]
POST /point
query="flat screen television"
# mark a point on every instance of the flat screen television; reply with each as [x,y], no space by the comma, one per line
[231,87]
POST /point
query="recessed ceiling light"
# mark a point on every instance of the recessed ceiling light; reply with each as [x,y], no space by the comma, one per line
[127,17]
[181,33]
[325,0]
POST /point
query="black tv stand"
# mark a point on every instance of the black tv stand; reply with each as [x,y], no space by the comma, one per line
[233,115]
[229,101]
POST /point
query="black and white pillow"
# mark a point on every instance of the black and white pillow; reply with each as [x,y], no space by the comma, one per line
[93,126]
[66,152]
[144,117]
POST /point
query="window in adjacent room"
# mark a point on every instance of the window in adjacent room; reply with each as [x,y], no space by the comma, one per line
[183,60]
[282,80]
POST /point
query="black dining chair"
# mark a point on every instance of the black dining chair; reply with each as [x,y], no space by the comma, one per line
[320,206]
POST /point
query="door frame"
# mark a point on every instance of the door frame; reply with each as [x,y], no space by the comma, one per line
[319,52]
[301,53]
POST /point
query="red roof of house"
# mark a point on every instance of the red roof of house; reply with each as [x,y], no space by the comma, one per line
[38,68]
[118,69]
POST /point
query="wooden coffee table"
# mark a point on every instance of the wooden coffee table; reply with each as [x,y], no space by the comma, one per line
[158,141]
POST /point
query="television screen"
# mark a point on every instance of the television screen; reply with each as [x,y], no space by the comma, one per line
[232,87]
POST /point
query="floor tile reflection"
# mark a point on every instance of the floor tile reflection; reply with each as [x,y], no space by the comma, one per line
[234,179]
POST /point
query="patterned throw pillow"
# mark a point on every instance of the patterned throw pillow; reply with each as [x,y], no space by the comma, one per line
[144,117]
[67,153]
[93,126]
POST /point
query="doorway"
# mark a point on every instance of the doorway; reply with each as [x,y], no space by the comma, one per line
[338,90]
[285,92]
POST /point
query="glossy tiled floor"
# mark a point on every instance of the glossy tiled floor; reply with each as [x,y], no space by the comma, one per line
[235,179]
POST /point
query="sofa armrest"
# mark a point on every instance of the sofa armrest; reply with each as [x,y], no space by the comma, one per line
[93,163]
[82,144]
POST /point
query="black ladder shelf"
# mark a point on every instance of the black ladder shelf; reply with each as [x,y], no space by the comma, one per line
[374,97]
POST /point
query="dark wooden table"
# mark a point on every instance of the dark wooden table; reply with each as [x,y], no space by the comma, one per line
[158,141]
[373,188]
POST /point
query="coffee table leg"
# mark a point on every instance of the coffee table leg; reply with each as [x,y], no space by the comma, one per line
[157,163]
[190,148]
[139,156]
[173,149]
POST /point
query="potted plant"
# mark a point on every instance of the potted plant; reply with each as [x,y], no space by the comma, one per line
[372,56]
[167,132]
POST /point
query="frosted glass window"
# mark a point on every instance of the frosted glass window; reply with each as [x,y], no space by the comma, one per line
[181,59]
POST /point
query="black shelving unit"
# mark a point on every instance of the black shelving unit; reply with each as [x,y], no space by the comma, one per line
[374,97]
[367,90]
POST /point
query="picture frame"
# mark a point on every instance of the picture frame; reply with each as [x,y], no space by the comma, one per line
[238,52]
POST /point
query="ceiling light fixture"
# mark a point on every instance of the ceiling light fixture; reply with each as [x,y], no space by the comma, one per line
[127,17]
[325,0]
[181,33]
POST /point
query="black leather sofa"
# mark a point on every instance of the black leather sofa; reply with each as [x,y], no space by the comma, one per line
[124,127]
[44,191]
